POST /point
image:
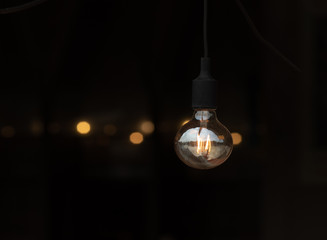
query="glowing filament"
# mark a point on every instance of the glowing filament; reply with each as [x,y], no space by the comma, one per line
[203,147]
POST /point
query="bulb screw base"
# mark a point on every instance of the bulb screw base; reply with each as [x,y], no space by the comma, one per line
[204,88]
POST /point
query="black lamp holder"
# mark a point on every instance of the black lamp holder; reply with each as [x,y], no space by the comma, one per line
[204,88]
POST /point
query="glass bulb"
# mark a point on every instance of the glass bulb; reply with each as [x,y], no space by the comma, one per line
[203,142]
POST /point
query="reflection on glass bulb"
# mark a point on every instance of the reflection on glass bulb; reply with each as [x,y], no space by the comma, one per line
[203,142]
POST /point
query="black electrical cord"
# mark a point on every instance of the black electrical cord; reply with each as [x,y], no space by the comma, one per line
[262,39]
[205,17]
[205,20]
[21,7]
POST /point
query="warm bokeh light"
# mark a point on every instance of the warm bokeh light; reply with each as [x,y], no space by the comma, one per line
[147,127]
[221,137]
[110,129]
[37,128]
[136,138]
[237,138]
[8,131]
[83,127]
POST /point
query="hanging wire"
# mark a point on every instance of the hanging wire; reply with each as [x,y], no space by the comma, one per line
[21,7]
[205,17]
[205,20]
[263,40]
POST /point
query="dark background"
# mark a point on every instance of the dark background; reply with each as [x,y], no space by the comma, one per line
[122,62]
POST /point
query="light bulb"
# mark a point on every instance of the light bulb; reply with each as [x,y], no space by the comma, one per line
[203,142]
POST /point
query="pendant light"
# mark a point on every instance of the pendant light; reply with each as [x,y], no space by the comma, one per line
[203,142]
